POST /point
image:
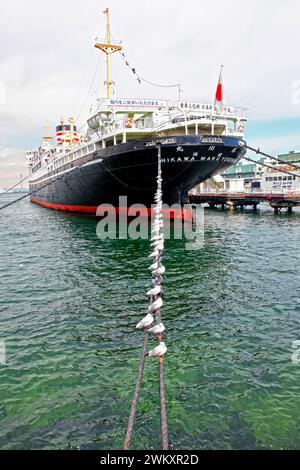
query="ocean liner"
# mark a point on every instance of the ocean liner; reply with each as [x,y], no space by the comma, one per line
[118,155]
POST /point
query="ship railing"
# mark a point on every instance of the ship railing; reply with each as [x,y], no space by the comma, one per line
[104,41]
[247,191]
[136,105]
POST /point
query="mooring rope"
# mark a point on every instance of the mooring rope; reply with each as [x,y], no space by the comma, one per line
[156,302]
[271,167]
[163,406]
[157,280]
[258,151]
[136,394]
[30,193]
[14,186]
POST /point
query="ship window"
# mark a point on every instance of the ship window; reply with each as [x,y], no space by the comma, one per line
[279,178]
[290,178]
[275,178]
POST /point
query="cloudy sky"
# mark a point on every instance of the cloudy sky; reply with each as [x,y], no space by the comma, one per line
[47,63]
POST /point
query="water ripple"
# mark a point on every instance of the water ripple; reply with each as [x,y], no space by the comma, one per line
[68,306]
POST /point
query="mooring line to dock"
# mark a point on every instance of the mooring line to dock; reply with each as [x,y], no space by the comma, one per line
[269,166]
[14,202]
[259,152]
[163,406]
[159,329]
[136,394]
[14,186]
[156,302]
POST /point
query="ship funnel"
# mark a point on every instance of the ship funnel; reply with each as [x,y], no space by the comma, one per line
[67,133]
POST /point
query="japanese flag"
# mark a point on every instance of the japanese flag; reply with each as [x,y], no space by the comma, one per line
[219,93]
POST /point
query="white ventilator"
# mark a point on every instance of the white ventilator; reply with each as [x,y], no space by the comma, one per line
[157,237]
[156,305]
[155,291]
[160,350]
[153,267]
[160,271]
[145,322]
[157,329]
[159,247]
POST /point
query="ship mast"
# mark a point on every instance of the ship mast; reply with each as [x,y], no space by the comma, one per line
[47,137]
[108,48]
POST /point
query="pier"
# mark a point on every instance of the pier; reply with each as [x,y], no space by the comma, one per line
[241,200]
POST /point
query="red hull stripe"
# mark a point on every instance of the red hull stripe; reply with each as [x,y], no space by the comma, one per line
[182,214]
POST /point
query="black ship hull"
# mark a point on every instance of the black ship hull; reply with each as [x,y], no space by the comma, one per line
[130,170]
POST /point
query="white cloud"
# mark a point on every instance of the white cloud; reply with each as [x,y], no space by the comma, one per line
[2,93]
[12,165]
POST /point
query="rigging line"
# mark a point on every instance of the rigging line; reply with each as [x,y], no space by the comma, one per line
[175,85]
[258,151]
[84,77]
[271,167]
[90,89]
[17,184]
[81,127]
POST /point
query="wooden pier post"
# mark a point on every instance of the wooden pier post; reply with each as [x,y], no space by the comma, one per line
[230,205]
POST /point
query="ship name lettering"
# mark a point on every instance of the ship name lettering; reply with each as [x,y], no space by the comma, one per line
[177,159]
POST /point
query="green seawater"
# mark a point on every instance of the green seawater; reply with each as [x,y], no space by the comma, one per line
[68,306]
